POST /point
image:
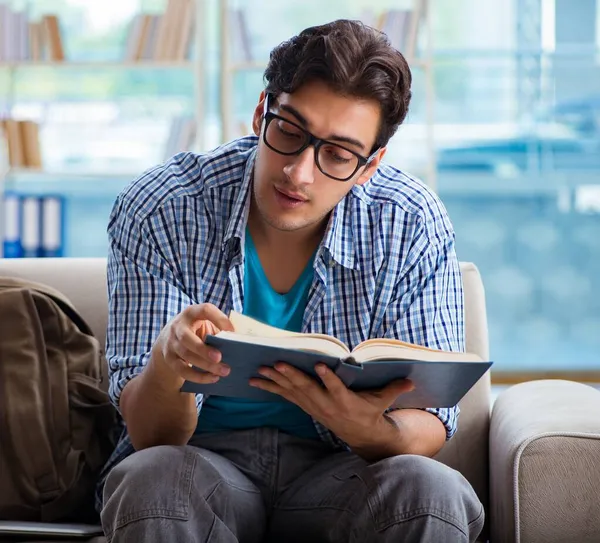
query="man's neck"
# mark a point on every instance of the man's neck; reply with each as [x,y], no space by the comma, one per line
[283,255]
[282,242]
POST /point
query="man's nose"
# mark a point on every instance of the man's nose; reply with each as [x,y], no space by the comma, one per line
[301,170]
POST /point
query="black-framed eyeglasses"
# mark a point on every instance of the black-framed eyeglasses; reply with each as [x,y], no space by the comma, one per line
[288,138]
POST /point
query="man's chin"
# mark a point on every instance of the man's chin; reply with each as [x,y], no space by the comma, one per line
[286,220]
[287,225]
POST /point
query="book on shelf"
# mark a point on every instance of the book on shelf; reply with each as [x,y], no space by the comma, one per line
[181,137]
[13,34]
[11,227]
[31,226]
[24,40]
[441,378]
[165,37]
[52,36]
[239,34]
[239,129]
[52,239]
[400,25]
[13,139]
[23,143]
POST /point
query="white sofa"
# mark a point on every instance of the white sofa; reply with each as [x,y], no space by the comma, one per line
[534,459]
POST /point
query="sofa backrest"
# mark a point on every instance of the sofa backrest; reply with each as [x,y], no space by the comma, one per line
[468,450]
[83,281]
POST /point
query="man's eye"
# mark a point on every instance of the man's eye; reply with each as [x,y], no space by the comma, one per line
[340,159]
[288,131]
[338,155]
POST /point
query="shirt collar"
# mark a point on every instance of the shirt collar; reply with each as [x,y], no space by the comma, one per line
[238,219]
[338,240]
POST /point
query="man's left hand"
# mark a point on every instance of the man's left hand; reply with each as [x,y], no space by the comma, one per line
[355,417]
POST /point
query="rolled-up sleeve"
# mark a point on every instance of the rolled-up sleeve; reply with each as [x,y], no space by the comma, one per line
[144,290]
[427,307]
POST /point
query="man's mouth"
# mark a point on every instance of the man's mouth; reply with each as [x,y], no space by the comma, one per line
[292,195]
[289,199]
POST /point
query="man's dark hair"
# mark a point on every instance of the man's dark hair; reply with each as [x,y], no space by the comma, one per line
[354,60]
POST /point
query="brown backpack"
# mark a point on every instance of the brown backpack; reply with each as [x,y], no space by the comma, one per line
[56,420]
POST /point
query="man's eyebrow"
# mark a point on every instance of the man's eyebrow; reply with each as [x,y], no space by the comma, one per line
[333,137]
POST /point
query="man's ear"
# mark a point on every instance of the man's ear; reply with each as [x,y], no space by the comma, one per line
[257,118]
[372,167]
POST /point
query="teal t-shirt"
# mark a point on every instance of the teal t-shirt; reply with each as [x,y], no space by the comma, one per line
[286,311]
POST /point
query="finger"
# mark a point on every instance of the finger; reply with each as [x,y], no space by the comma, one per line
[192,349]
[194,360]
[210,312]
[190,374]
[269,386]
[331,381]
[389,394]
[275,376]
[299,380]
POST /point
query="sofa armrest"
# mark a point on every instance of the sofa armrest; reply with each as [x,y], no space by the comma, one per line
[545,463]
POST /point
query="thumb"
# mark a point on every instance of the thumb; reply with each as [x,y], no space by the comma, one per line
[204,328]
[389,394]
[211,313]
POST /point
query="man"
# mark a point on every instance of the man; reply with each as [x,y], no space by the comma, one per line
[304,227]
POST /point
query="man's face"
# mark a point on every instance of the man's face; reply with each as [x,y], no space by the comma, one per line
[290,192]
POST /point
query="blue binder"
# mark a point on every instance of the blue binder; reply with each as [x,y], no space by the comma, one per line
[52,226]
[11,244]
[31,226]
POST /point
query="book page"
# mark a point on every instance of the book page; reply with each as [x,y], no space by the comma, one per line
[388,342]
[392,349]
[243,324]
[301,342]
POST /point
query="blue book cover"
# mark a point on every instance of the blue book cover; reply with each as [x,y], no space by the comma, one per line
[31,226]
[441,379]
[11,228]
[52,242]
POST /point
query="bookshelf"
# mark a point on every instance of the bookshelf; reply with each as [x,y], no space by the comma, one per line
[405,27]
[88,192]
[171,39]
[11,176]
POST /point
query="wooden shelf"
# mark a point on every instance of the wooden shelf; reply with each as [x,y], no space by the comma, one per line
[32,173]
[143,65]
[247,66]
[259,66]
[418,63]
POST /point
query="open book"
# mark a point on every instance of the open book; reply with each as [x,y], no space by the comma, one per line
[249,330]
[441,378]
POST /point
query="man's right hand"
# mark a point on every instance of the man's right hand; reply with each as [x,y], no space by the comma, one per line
[157,390]
[179,345]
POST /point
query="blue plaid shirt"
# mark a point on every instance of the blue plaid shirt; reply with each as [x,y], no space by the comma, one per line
[386,266]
